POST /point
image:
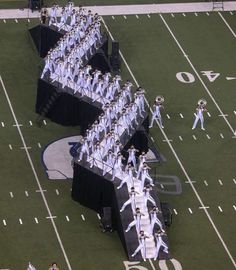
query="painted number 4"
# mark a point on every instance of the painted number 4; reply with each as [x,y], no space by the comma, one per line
[187,77]
[162,264]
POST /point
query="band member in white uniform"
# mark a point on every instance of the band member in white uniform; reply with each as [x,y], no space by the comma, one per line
[154,219]
[132,156]
[142,245]
[131,200]
[156,115]
[147,196]
[137,220]
[199,114]
[160,243]
[145,175]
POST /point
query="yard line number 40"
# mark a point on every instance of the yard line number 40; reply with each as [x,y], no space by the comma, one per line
[187,77]
[162,265]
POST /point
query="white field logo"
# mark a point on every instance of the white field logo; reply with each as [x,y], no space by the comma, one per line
[57,157]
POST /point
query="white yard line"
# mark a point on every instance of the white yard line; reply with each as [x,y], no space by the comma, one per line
[177,158]
[230,29]
[35,175]
[197,74]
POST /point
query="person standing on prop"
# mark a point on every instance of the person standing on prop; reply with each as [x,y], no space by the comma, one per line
[137,220]
[156,115]
[142,245]
[160,243]
[199,114]
[132,156]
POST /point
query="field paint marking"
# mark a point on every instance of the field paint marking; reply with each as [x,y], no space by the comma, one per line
[51,217]
[152,265]
[175,154]
[196,14]
[36,220]
[113,17]
[137,16]
[57,192]
[82,216]
[67,218]
[208,114]
[207,14]
[181,115]
[168,116]
[41,190]
[20,221]
[4,222]
[223,115]
[221,135]
[220,209]
[205,182]
[194,137]
[11,194]
[180,138]
[39,145]
[172,15]
[26,193]
[2,123]
[25,147]
[162,186]
[17,125]
[16,20]
[28,20]
[152,139]
[220,182]
[234,181]
[44,121]
[167,140]
[125,17]
[231,13]
[235,112]
[174,210]
[230,78]
[149,16]
[184,14]
[199,77]
[4,21]
[230,29]
[204,207]
[99,217]
[234,207]
[187,182]
[35,175]
[208,136]
[190,210]
[30,122]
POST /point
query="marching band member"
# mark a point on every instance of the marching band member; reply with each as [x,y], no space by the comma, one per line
[142,245]
[156,115]
[160,243]
[137,221]
[199,114]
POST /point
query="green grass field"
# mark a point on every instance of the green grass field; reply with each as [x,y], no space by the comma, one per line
[208,159]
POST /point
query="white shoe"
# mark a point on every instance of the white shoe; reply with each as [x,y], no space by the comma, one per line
[150,126]
[203,128]
[193,127]
[162,126]
[126,230]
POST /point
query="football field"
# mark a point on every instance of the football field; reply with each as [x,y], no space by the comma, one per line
[182,56]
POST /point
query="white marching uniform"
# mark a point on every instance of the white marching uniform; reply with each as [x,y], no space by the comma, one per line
[160,243]
[141,247]
[199,116]
[156,115]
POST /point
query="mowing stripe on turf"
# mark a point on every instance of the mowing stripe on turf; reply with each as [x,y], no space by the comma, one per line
[197,74]
[175,154]
[35,174]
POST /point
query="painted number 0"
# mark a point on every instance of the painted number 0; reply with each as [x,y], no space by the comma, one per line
[185,77]
[162,264]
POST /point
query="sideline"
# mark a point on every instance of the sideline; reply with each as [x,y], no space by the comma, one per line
[128,9]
